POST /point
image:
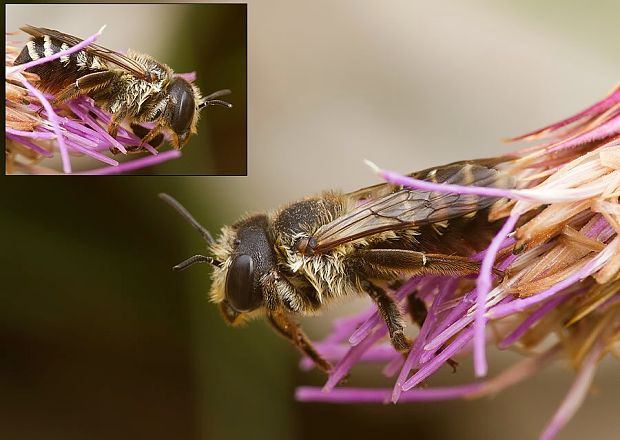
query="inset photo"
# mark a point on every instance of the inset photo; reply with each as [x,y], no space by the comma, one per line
[146,89]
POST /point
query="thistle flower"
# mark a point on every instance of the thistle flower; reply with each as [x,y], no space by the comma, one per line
[36,130]
[559,249]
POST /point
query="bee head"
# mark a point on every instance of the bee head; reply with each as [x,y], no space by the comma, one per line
[183,110]
[250,258]
[242,255]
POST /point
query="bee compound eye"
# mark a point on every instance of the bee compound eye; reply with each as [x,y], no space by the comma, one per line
[183,111]
[240,284]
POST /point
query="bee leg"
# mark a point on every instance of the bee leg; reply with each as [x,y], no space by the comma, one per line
[417,309]
[377,261]
[418,313]
[142,132]
[117,118]
[152,134]
[391,315]
[290,330]
[83,85]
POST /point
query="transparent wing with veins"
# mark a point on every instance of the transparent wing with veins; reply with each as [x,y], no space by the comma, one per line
[109,55]
[386,207]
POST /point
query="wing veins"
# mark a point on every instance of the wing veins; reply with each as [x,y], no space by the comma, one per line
[404,208]
[94,49]
[371,213]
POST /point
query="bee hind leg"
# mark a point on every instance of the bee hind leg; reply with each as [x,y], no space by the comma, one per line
[84,85]
[291,330]
[378,261]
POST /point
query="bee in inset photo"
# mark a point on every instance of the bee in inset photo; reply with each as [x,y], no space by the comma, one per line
[132,87]
[299,258]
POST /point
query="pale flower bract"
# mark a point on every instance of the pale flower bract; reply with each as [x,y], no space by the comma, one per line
[559,250]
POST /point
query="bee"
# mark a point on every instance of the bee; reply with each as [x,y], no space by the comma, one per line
[134,87]
[297,259]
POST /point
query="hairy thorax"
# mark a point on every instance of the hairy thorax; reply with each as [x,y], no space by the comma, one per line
[317,278]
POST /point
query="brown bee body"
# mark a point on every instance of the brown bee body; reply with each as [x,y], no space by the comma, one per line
[298,259]
[133,87]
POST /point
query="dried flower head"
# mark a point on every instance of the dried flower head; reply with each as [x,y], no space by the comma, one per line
[36,129]
[559,250]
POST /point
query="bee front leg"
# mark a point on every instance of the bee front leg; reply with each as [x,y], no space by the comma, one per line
[290,330]
[142,132]
[154,133]
[150,135]
[391,315]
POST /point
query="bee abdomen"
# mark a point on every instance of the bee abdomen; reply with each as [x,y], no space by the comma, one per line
[63,71]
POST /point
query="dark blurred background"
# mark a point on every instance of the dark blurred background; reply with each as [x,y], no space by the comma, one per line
[100,339]
[208,39]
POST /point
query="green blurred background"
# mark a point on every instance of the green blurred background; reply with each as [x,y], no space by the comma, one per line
[100,339]
[210,40]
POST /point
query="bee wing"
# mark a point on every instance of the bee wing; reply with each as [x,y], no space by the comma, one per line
[109,55]
[441,174]
[387,207]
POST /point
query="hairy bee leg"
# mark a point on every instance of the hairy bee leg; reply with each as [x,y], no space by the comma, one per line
[159,137]
[152,133]
[417,309]
[141,132]
[290,330]
[418,314]
[114,123]
[84,85]
[391,315]
[377,261]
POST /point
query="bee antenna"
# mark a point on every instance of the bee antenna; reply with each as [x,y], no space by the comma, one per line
[187,216]
[197,259]
[215,102]
[218,94]
[211,99]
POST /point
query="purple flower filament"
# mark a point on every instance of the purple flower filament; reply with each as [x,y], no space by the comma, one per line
[568,202]
[64,153]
